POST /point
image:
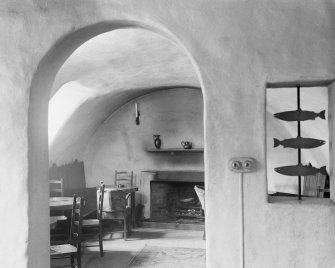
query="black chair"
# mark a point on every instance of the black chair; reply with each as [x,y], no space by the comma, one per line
[72,250]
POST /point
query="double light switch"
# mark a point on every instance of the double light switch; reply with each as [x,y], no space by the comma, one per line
[242,164]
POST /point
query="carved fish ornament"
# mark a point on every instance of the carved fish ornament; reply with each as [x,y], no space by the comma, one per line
[300,170]
[299,115]
[299,142]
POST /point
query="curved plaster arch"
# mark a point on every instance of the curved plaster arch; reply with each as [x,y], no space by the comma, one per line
[38,244]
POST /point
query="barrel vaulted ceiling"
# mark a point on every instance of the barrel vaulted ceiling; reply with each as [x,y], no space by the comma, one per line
[103,74]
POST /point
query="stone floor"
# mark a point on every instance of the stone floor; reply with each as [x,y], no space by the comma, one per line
[119,253]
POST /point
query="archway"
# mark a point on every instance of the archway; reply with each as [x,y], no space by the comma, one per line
[38,245]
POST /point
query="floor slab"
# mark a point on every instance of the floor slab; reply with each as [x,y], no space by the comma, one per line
[119,253]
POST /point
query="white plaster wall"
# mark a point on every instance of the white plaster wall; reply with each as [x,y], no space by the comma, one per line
[120,144]
[13,147]
[238,46]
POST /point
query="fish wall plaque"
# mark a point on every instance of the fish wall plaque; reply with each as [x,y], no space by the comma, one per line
[299,115]
[300,170]
[299,142]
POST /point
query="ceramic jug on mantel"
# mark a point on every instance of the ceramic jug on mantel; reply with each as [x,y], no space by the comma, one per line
[157,141]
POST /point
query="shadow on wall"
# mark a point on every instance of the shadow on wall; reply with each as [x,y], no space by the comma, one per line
[73,174]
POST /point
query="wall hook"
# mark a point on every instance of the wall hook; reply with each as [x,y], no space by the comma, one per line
[137,115]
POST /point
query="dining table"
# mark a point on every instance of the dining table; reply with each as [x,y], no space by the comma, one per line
[127,190]
[60,203]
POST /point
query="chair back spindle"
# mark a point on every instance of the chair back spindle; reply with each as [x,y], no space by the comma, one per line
[76,222]
[123,178]
[57,187]
[100,201]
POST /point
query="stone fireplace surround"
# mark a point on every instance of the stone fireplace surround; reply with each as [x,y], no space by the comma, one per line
[148,176]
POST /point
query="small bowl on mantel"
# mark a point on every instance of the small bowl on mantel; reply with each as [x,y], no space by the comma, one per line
[186,145]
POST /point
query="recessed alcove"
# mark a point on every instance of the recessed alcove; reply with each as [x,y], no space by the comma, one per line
[294,148]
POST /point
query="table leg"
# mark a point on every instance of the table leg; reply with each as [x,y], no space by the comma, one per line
[132,211]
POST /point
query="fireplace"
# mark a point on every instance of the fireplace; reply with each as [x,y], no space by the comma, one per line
[168,183]
[175,201]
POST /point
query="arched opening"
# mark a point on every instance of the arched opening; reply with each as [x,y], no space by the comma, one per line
[41,91]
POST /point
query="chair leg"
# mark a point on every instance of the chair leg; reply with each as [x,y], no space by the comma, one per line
[100,241]
[129,228]
[125,229]
[72,261]
[79,260]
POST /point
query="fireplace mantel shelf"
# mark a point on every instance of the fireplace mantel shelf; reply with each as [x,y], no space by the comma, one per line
[175,150]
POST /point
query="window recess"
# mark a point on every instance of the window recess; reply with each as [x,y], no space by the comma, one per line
[297,141]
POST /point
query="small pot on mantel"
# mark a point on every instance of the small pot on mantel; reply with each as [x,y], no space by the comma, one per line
[157,141]
[186,144]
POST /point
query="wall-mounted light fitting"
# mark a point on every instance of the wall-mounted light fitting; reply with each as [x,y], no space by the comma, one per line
[242,164]
[137,115]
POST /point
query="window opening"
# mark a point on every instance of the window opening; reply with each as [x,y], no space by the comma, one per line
[297,141]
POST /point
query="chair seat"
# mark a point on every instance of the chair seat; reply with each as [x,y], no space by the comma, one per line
[90,222]
[65,249]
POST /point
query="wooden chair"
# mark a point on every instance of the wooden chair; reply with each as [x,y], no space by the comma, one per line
[200,190]
[123,178]
[96,224]
[115,208]
[57,186]
[72,250]
[314,185]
